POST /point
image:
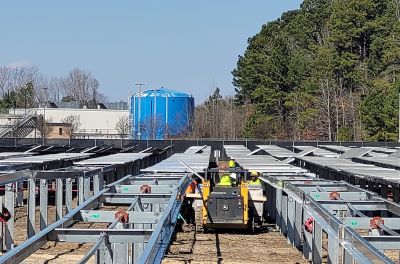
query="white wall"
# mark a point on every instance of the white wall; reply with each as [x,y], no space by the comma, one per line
[101,121]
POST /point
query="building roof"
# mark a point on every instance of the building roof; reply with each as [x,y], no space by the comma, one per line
[58,124]
[162,92]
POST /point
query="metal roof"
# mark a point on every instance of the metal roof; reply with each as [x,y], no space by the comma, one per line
[197,161]
[391,162]
[235,150]
[7,155]
[336,148]
[355,152]
[260,163]
[119,158]
[195,149]
[358,169]
[162,92]
[46,158]
[277,151]
[317,151]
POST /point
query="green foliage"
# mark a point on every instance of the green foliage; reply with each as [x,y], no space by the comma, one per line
[19,98]
[379,110]
[344,134]
[314,73]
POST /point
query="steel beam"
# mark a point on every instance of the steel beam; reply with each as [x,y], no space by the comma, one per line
[70,235]
[109,216]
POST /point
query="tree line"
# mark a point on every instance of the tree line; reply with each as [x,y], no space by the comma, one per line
[220,117]
[327,71]
[25,87]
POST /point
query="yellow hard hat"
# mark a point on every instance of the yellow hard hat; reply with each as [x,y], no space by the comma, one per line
[254,173]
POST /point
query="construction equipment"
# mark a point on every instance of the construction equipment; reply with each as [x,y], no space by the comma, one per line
[231,205]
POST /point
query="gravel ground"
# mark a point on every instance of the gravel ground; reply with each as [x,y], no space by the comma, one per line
[267,247]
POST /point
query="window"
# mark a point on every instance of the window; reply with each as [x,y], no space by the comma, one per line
[60,131]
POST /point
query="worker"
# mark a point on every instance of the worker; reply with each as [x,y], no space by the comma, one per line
[254,180]
[187,211]
[192,187]
[233,176]
[231,163]
[225,181]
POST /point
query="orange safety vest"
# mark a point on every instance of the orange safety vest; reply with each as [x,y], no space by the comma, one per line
[192,187]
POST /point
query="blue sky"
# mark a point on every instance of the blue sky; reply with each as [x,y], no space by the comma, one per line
[183,45]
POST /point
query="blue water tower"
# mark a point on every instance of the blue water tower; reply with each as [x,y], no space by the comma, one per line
[161,113]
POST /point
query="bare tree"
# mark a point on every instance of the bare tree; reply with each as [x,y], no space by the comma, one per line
[15,78]
[81,86]
[123,126]
[74,121]
[43,126]
[220,118]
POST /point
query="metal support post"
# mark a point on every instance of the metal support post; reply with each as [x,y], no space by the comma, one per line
[317,243]
[96,184]
[291,214]
[137,247]
[333,248]
[96,187]
[31,208]
[68,195]
[86,188]
[278,213]
[80,191]
[59,199]
[10,205]
[43,203]
[104,254]
[284,228]
[120,250]
[298,225]
[307,244]
[20,193]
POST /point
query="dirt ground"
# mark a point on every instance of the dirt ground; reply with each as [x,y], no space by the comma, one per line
[229,248]
[53,252]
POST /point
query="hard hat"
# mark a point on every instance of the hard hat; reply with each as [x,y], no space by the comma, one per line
[254,173]
[231,164]
[233,175]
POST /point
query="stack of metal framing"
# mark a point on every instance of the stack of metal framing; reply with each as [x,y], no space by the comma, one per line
[138,233]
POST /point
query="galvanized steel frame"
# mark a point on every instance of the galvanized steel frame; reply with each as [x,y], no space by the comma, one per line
[292,201]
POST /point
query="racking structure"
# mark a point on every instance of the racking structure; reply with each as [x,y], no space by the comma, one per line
[138,231]
[326,218]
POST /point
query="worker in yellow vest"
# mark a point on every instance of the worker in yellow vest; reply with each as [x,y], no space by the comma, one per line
[254,180]
[225,181]
[231,163]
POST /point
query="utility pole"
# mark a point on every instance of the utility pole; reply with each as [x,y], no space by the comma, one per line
[139,110]
[155,115]
[44,116]
[399,117]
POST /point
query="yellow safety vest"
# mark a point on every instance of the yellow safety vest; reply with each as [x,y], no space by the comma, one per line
[225,181]
[256,182]
[231,164]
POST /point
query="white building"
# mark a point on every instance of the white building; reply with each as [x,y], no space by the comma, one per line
[94,123]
